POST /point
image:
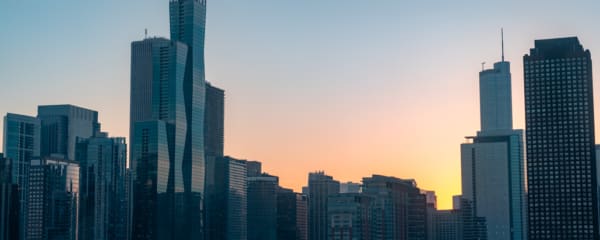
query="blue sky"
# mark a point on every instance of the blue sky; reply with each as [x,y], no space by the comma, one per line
[350,87]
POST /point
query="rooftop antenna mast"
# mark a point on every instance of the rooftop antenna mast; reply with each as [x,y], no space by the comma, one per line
[145,33]
[502,37]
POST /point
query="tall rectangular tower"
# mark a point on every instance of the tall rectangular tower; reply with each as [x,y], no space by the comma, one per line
[158,106]
[103,200]
[561,163]
[21,144]
[492,163]
[320,188]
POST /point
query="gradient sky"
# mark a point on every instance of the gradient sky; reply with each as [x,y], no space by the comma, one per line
[351,87]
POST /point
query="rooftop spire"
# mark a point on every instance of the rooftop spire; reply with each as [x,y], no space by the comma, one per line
[502,37]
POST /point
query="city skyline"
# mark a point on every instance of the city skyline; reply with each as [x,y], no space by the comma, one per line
[385,131]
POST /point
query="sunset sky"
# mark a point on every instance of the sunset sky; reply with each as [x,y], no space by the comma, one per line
[351,87]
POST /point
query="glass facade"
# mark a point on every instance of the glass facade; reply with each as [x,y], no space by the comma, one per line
[21,144]
[320,187]
[262,207]
[561,161]
[53,209]
[103,204]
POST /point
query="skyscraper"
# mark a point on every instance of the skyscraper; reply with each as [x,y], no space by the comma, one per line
[226,198]
[320,187]
[53,199]
[214,121]
[302,216]
[349,216]
[9,202]
[188,23]
[561,159]
[63,126]
[158,109]
[262,207]
[21,144]
[398,208]
[103,204]
[492,164]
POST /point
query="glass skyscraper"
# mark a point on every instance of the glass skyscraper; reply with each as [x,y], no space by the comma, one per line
[103,204]
[53,199]
[320,188]
[63,126]
[492,165]
[21,144]
[561,157]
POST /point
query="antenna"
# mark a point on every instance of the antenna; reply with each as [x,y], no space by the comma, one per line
[482,66]
[502,36]
[145,33]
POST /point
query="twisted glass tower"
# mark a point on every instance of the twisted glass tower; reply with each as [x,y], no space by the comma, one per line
[167,128]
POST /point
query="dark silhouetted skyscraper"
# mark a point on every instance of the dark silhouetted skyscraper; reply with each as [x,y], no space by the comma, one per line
[561,159]
[9,202]
[399,208]
[103,205]
[320,187]
[262,207]
[21,144]
[349,216]
[226,198]
[214,118]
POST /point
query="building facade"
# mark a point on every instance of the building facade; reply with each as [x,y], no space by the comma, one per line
[262,207]
[63,126]
[21,144]
[103,205]
[214,121]
[53,193]
[561,161]
[9,202]
[226,198]
[349,216]
[399,209]
[492,164]
[320,187]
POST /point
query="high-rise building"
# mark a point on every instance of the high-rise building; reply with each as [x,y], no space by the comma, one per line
[226,199]
[492,163]
[320,187]
[153,194]
[63,126]
[21,144]
[168,87]
[262,207]
[160,148]
[301,216]
[53,199]
[103,197]
[561,159]
[349,216]
[188,24]
[447,225]
[286,214]
[398,207]
[9,202]
[214,118]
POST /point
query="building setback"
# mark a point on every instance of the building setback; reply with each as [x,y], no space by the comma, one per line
[53,199]
[561,157]
[492,164]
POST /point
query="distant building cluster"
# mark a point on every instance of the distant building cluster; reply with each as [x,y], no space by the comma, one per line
[62,177]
